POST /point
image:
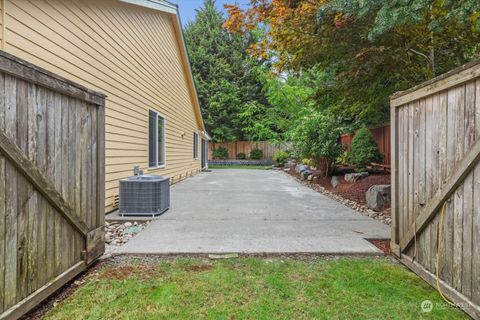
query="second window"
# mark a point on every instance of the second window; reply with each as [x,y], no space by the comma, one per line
[156,140]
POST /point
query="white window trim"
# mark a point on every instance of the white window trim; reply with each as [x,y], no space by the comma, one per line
[164,165]
[196,146]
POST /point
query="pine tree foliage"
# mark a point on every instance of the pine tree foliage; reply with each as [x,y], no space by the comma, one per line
[226,76]
[364,149]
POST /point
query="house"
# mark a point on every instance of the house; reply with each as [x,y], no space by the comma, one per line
[134,52]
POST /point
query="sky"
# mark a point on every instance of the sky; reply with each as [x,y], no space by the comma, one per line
[187,8]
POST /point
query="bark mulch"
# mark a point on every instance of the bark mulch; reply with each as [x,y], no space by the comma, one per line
[351,191]
[355,191]
[350,194]
[383,245]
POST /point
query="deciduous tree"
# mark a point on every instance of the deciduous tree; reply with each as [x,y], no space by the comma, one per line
[369,49]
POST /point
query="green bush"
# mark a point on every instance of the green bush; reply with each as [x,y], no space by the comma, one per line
[220,153]
[256,154]
[241,156]
[280,157]
[364,149]
[316,136]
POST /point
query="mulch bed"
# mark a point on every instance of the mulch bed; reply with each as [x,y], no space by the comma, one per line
[355,191]
[350,194]
[382,244]
[351,191]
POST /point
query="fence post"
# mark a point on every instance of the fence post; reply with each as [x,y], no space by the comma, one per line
[395,236]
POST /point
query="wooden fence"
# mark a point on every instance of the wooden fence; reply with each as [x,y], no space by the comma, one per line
[435,155]
[52,185]
[234,148]
[381,135]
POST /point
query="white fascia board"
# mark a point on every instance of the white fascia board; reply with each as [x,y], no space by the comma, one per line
[155,4]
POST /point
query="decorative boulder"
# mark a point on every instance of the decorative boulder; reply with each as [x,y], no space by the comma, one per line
[310,177]
[300,167]
[353,177]
[335,181]
[378,196]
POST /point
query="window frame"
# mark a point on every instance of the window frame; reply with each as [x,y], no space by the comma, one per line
[195,145]
[157,145]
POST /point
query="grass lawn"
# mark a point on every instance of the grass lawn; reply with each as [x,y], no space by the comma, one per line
[346,288]
[240,167]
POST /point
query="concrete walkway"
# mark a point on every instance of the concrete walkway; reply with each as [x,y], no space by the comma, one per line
[254,211]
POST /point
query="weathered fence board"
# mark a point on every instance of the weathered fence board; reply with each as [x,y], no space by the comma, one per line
[435,164]
[51,183]
[234,148]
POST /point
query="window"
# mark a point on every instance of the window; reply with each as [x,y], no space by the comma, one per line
[156,140]
[195,145]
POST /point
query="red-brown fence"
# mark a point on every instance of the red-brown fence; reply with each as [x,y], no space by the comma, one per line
[234,148]
[382,137]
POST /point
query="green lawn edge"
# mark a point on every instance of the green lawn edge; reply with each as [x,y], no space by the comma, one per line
[250,288]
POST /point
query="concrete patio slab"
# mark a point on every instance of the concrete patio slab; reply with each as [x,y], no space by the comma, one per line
[255,211]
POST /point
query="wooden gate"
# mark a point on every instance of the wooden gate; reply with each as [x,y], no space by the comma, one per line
[435,155]
[51,183]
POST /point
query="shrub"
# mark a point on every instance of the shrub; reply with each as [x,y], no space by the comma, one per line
[241,156]
[220,153]
[316,136]
[256,154]
[364,149]
[280,157]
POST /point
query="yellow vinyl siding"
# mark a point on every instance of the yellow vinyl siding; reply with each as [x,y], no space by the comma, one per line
[130,53]
[2,26]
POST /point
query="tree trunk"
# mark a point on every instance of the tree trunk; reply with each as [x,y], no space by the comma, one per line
[325,166]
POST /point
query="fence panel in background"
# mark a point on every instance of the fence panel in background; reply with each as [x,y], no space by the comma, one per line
[382,137]
[234,148]
[435,166]
[52,185]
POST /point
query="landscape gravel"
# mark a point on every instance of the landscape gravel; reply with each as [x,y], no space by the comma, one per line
[119,233]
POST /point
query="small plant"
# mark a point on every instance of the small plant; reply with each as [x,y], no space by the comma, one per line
[344,158]
[241,156]
[256,154]
[280,157]
[308,162]
[364,149]
[220,153]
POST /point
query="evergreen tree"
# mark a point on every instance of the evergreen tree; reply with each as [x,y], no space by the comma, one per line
[225,74]
[364,149]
